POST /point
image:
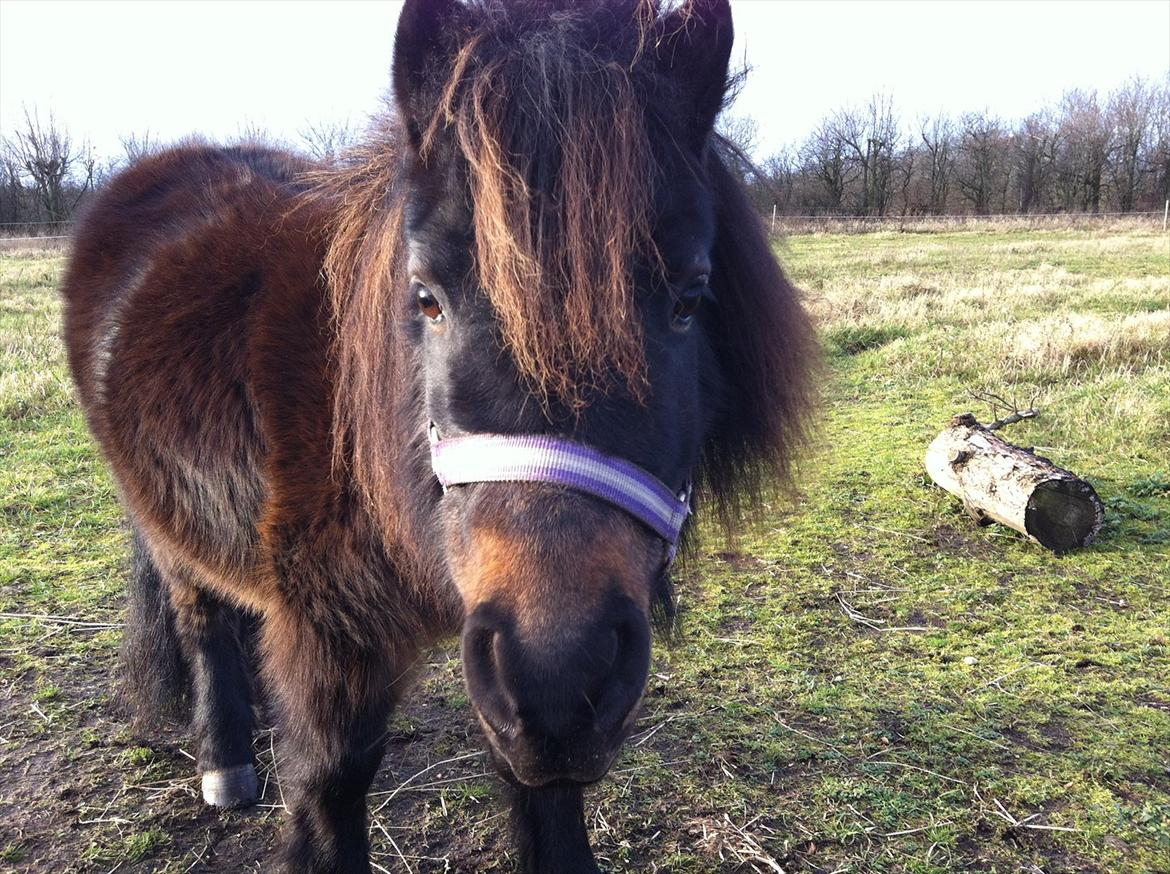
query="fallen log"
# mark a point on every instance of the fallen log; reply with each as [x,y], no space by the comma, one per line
[999,482]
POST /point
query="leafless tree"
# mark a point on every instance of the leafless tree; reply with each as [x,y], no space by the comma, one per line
[981,166]
[739,134]
[1035,158]
[1128,117]
[906,164]
[872,136]
[327,141]
[783,170]
[138,146]
[938,141]
[1158,160]
[825,157]
[253,133]
[1083,154]
[13,194]
[47,156]
[741,131]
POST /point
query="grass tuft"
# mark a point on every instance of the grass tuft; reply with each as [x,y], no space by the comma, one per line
[855,339]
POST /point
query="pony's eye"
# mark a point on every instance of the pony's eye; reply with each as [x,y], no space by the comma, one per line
[427,304]
[687,302]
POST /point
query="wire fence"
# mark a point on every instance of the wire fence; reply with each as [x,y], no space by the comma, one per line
[40,241]
[795,224]
[973,217]
[35,232]
[56,231]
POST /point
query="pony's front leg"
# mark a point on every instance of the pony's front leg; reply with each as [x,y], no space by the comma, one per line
[548,825]
[335,696]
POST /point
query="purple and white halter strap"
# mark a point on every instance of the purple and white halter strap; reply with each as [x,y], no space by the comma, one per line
[541,459]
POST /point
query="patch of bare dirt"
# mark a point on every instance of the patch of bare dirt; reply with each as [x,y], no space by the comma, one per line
[82,792]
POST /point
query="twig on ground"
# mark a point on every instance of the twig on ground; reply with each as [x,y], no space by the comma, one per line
[646,735]
[898,533]
[70,621]
[803,734]
[744,847]
[978,736]
[391,794]
[917,768]
[875,624]
[160,789]
[198,854]
[995,681]
[1004,814]
[394,844]
[275,772]
[1011,419]
[914,831]
[1019,412]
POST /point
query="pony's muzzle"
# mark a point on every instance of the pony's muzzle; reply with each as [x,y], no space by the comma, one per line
[557,709]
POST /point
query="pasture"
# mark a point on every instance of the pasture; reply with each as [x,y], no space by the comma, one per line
[862,681]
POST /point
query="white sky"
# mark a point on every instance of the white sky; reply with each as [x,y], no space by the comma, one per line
[112,67]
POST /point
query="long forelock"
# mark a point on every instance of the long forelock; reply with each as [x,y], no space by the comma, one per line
[557,233]
[551,121]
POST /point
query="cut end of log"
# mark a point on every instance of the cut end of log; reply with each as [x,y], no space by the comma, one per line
[1063,514]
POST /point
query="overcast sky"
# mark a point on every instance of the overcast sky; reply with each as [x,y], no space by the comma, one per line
[111,67]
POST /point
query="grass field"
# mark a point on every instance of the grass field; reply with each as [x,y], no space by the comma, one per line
[863,682]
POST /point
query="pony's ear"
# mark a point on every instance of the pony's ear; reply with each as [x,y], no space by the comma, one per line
[693,49]
[422,59]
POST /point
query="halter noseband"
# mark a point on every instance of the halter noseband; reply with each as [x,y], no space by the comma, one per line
[540,459]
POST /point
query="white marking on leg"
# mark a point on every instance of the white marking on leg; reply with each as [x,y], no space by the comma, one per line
[231,787]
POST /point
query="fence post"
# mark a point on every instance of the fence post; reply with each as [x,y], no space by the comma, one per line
[1165,215]
[774,219]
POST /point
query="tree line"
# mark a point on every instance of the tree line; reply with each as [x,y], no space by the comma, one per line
[1090,153]
[46,175]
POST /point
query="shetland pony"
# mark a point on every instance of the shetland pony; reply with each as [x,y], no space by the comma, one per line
[541,242]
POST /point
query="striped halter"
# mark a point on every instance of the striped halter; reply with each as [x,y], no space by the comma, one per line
[536,458]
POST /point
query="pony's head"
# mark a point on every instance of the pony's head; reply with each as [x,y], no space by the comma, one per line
[577,262]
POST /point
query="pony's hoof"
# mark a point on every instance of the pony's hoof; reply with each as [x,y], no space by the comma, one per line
[231,787]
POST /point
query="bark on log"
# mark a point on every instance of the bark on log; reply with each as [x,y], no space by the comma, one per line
[998,481]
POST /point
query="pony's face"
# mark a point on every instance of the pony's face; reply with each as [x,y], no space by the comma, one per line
[558,587]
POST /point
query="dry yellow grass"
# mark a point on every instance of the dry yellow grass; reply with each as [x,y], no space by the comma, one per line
[33,374]
[1079,321]
[1063,343]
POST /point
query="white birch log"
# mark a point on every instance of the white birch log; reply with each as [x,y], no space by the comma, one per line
[1015,487]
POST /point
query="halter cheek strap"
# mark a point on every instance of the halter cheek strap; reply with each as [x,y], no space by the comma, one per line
[541,459]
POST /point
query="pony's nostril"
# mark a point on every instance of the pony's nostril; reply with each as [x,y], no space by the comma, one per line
[610,649]
[503,728]
[482,664]
[479,652]
[627,675]
[496,654]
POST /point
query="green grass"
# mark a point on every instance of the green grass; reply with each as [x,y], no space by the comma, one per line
[864,681]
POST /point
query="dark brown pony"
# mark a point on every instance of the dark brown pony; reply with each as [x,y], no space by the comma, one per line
[543,238]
